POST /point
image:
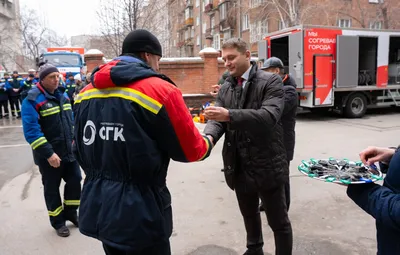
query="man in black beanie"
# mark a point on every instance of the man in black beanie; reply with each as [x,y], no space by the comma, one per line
[48,127]
[129,122]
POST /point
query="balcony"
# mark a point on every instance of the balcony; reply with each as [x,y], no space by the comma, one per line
[189,22]
[208,7]
[189,4]
[189,42]
[182,26]
[209,33]
[225,24]
[180,44]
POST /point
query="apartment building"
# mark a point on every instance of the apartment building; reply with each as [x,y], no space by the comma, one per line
[10,37]
[196,24]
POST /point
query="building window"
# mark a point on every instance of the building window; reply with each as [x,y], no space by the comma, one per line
[281,25]
[188,13]
[197,3]
[222,11]
[375,1]
[216,41]
[258,30]
[246,22]
[204,27]
[192,33]
[256,3]
[197,40]
[204,4]
[212,24]
[186,34]
[375,24]
[344,23]
[197,20]
[227,34]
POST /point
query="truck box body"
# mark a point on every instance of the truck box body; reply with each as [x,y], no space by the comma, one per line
[329,63]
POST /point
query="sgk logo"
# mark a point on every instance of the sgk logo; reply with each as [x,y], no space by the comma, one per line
[108,131]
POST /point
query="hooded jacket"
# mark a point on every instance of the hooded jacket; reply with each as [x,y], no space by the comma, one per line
[130,121]
[382,203]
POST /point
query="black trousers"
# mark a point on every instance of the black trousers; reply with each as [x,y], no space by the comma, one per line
[274,201]
[51,178]
[3,106]
[14,104]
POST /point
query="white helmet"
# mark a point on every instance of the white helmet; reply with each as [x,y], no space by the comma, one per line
[31,70]
[78,77]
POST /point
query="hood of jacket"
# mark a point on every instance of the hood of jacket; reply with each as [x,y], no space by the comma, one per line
[122,71]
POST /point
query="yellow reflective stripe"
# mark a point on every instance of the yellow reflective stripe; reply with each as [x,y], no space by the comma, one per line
[56,212]
[72,202]
[208,148]
[126,93]
[50,111]
[67,107]
[38,142]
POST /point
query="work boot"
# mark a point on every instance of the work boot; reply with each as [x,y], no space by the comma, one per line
[254,252]
[74,219]
[63,231]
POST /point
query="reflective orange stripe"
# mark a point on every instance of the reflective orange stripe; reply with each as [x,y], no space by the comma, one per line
[284,79]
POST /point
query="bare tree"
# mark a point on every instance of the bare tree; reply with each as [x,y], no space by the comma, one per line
[387,12]
[119,17]
[34,35]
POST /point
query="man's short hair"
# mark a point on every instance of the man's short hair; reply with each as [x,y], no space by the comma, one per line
[236,43]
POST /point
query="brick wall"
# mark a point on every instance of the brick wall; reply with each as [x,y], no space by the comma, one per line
[193,76]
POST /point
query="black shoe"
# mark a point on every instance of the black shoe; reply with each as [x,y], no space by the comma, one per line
[74,220]
[63,231]
[6,115]
[19,116]
[254,252]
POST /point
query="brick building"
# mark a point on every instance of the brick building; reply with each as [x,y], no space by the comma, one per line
[196,24]
[10,38]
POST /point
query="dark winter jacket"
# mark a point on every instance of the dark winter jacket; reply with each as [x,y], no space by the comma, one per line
[289,115]
[70,88]
[14,83]
[3,89]
[253,136]
[130,121]
[48,124]
[382,203]
[26,86]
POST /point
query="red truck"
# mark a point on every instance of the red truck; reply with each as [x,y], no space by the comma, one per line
[344,69]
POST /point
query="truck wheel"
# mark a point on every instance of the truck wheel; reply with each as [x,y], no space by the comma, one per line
[356,106]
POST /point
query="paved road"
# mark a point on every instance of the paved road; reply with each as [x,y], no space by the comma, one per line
[206,216]
[15,152]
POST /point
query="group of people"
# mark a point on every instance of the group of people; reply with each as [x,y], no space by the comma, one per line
[14,89]
[130,121]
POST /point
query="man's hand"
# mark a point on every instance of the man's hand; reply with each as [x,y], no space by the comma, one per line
[15,90]
[215,91]
[54,160]
[219,114]
[374,154]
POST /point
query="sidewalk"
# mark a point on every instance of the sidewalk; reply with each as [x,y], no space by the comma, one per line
[207,220]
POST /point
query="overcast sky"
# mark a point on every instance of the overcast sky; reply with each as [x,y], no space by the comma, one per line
[66,16]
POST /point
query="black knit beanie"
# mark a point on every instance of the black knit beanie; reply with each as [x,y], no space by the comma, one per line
[46,69]
[141,40]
